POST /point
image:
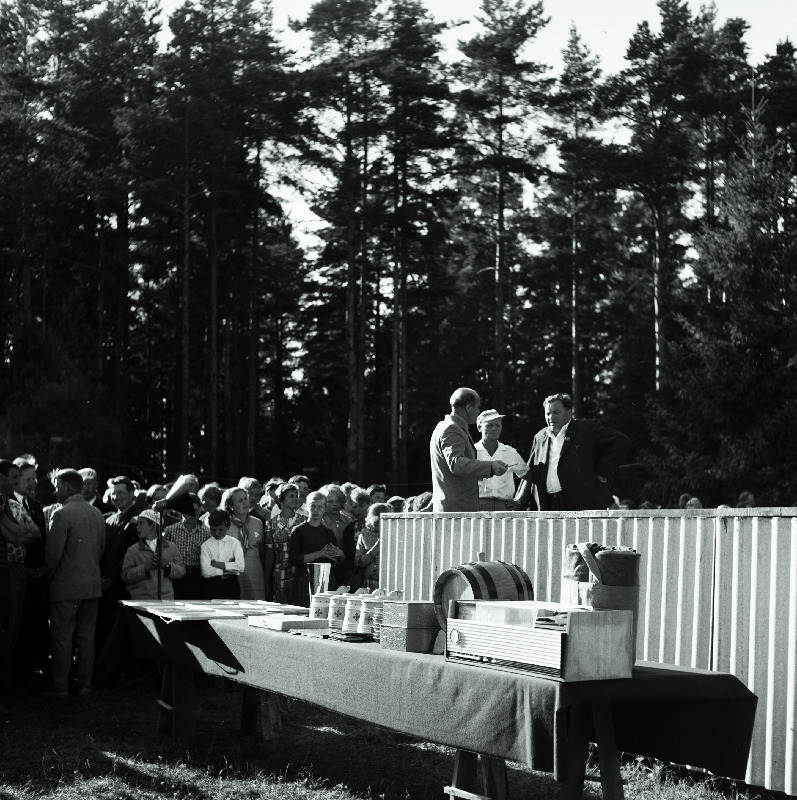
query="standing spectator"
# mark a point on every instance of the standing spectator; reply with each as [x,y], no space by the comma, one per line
[366,557]
[398,505]
[254,492]
[89,476]
[694,502]
[33,648]
[270,500]
[361,502]
[336,518]
[210,495]
[143,563]
[746,500]
[75,545]
[277,563]
[309,542]
[222,559]
[120,534]
[17,531]
[302,483]
[377,492]
[248,530]
[188,536]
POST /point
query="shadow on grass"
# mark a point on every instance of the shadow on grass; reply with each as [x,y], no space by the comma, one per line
[107,746]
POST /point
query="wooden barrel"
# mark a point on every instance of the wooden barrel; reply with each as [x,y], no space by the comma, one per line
[484,580]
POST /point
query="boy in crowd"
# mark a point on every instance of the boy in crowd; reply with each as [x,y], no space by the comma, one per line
[141,563]
[221,558]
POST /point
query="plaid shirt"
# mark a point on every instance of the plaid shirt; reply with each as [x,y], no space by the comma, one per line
[188,542]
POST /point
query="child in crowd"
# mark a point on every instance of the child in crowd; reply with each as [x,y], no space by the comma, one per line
[221,558]
[140,566]
[366,554]
[312,542]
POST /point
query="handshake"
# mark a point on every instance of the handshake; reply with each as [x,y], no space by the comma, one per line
[499,467]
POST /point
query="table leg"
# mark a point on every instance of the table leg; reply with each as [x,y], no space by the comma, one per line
[577,752]
[465,783]
[177,704]
[270,718]
[609,759]
[267,704]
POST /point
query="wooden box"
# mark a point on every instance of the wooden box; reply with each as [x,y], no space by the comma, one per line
[409,614]
[565,643]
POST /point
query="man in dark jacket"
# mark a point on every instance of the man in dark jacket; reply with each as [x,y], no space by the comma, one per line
[571,461]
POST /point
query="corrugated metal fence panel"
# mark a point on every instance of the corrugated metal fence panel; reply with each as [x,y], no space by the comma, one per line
[755,635]
[718,591]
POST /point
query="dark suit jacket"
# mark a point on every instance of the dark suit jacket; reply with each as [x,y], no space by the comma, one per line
[590,449]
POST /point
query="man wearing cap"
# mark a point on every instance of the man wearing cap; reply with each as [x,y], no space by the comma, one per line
[497,493]
[72,563]
[89,476]
[571,461]
[455,468]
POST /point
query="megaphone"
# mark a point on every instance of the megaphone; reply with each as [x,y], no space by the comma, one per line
[183,485]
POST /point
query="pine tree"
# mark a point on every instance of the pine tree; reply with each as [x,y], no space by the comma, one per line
[729,420]
[503,92]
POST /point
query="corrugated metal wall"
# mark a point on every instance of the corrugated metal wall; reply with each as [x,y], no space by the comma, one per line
[718,590]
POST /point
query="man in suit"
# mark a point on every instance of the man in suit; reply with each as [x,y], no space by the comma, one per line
[120,534]
[90,490]
[571,461]
[75,545]
[33,651]
[455,469]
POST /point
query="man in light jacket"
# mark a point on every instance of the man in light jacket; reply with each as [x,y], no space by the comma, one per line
[72,565]
[455,469]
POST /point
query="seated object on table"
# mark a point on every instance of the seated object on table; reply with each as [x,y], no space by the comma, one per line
[564,643]
[409,625]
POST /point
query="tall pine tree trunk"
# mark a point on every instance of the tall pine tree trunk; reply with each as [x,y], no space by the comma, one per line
[213,344]
[185,328]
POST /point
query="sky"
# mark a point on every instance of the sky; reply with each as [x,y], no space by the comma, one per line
[605,25]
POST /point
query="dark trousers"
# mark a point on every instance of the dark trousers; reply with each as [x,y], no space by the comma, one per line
[221,588]
[191,586]
[556,502]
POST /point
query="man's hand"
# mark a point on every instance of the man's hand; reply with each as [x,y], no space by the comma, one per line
[333,553]
[499,467]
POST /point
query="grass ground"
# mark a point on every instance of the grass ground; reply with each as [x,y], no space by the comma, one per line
[105,748]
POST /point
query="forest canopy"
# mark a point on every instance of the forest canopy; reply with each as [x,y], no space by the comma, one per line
[480,220]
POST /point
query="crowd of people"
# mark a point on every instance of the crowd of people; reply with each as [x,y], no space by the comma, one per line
[65,566]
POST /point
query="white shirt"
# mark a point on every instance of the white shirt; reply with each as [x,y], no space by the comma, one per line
[226,550]
[555,443]
[501,487]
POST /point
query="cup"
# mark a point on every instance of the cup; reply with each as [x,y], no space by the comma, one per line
[351,616]
[337,610]
[319,606]
[366,623]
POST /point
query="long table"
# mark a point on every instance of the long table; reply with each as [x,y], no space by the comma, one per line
[703,719]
